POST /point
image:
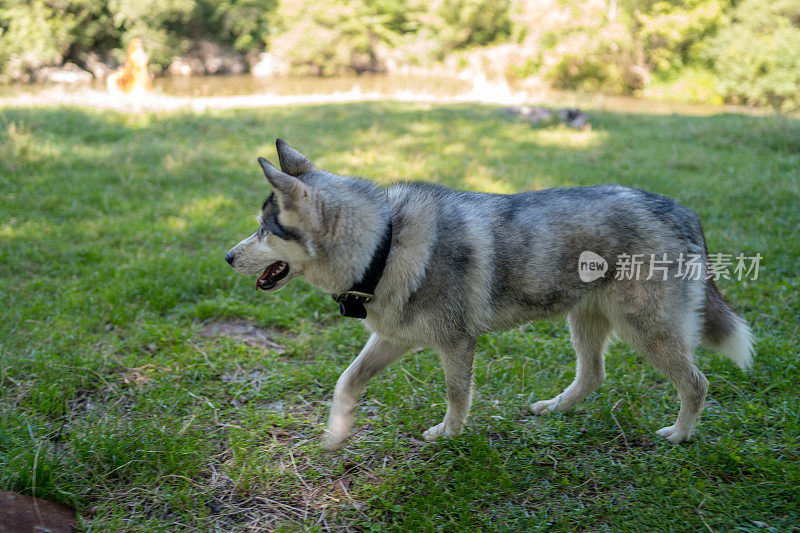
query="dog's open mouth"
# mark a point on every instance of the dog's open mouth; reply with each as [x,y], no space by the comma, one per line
[272,275]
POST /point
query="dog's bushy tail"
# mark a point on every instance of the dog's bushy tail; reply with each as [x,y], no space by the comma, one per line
[726,330]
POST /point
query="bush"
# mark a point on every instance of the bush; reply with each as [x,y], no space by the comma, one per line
[244,24]
[474,22]
[34,33]
[586,72]
[320,37]
[619,48]
[695,84]
[757,57]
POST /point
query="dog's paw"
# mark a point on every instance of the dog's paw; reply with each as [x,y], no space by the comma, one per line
[544,407]
[338,429]
[437,431]
[674,434]
[333,442]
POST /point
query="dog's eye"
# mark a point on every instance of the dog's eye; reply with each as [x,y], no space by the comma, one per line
[262,232]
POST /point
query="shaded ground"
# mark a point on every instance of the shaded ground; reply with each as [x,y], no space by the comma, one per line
[146,384]
[22,514]
[244,331]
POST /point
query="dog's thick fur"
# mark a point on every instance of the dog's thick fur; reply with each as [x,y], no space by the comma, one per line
[462,264]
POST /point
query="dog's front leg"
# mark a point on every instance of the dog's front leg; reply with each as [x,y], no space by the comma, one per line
[376,355]
[457,365]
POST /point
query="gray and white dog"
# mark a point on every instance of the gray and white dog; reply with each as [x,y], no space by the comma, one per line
[452,265]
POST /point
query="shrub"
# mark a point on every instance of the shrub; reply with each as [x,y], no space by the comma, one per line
[37,32]
[474,22]
[32,34]
[324,38]
[757,57]
[618,46]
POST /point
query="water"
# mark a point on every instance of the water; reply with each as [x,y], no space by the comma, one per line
[203,92]
[421,87]
[242,85]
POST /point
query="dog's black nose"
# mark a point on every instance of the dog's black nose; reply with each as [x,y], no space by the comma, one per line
[229,258]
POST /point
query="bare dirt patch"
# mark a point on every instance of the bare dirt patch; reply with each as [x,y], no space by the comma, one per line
[327,502]
[245,331]
[20,513]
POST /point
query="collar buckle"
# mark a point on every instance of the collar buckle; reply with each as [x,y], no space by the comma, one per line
[351,303]
[365,297]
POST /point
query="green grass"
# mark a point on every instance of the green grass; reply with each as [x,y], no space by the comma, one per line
[114,398]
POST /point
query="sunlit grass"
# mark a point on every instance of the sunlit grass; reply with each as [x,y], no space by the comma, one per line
[115,399]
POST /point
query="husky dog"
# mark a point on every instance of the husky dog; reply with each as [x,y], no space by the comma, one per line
[427,265]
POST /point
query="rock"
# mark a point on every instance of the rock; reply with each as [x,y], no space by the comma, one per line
[23,67]
[574,118]
[16,70]
[186,66]
[100,67]
[207,57]
[534,115]
[541,116]
[264,66]
[218,60]
[67,73]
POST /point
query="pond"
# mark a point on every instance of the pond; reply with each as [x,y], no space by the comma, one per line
[249,91]
[238,85]
[425,87]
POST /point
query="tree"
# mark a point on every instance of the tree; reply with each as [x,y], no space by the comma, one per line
[757,56]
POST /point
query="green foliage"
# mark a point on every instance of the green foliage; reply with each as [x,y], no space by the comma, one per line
[313,36]
[169,27]
[156,22]
[620,47]
[474,22]
[95,29]
[32,33]
[41,32]
[590,72]
[757,57]
[751,47]
[667,31]
[692,84]
[325,38]
[244,24]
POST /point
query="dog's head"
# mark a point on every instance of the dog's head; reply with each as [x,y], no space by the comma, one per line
[315,223]
[284,241]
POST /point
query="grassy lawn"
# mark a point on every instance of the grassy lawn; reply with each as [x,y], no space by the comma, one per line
[122,395]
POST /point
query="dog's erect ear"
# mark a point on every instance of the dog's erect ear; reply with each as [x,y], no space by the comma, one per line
[292,162]
[283,183]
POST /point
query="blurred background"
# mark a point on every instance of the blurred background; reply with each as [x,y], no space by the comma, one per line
[694,51]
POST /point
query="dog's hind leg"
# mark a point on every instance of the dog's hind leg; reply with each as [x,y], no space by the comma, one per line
[457,365]
[589,329]
[671,356]
[376,355]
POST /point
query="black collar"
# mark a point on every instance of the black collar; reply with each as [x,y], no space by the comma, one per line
[351,302]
